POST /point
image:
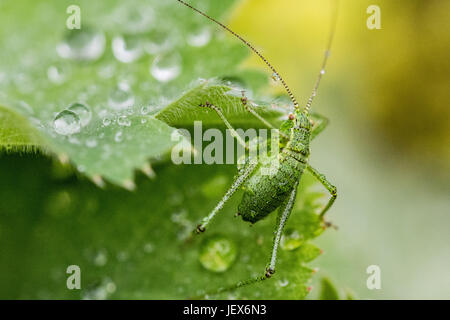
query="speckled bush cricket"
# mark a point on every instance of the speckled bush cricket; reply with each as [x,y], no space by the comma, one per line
[264,193]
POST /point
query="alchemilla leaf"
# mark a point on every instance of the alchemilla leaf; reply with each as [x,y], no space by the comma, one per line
[91,92]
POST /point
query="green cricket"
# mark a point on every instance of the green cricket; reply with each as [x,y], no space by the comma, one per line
[264,193]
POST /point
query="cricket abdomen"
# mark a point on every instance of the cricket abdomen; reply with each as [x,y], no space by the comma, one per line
[264,193]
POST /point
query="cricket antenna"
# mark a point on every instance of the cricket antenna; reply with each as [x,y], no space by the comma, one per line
[248,44]
[325,58]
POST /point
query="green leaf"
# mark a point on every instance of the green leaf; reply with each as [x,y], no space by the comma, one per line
[136,244]
[328,291]
[17,134]
[114,151]
[45,68]
[186,110]
[129,244]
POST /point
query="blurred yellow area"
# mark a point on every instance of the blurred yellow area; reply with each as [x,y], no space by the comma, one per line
[387,149]
[394,81]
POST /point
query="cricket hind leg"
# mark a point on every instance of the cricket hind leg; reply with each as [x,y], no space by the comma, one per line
[284,212]
[240,179]
[283,215]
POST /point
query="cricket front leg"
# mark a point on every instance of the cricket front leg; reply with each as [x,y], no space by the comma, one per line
[250,109]
[331,188]
[241,178]
[226,122]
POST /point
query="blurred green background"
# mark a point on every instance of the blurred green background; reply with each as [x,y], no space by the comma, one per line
[386,149]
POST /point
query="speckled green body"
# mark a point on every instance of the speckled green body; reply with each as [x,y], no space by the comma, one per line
[264,193]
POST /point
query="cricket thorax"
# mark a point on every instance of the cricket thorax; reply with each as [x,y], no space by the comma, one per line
[300,136]
[264,193]
[299,142]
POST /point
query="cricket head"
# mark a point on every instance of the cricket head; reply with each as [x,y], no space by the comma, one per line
[302,120]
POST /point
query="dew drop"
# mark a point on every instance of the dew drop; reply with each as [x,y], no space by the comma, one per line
[82,44]
[122,256]
[123,121]
[100,258]
[59,203]
[322,71]
[83,112]
[91,143]
[166,67]
[106,122]
[126,49]
[275,76]
[106,71]
[101,291]
[121,97]
[291,240]
[118,137]
[57,74]
[199,38]
[136,19]
[283,283]
[145,110]
[148,109]
[159,41]
[74,140]
[217,254]
[67,122]
[148,247]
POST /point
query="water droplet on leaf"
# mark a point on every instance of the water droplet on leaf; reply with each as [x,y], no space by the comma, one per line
[123,121]
[121,97]
[100,258]
[148,247]
[83,112]
[57,74]
[159,41]
[100,292]
[275,76]
[200,37]
[106,122]
[283,283]
[67,122]
[91,143]
[217,254]
[166,67]
[118,137]
[126,49]
[136,19]
[82,44]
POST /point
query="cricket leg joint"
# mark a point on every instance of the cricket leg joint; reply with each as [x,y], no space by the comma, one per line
[269,272]
[200,229]
[207,104]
